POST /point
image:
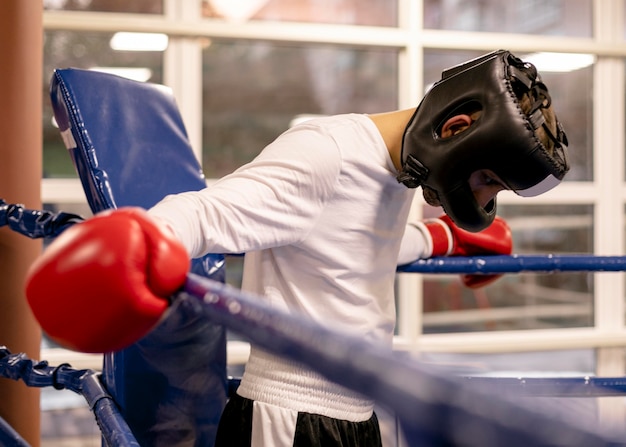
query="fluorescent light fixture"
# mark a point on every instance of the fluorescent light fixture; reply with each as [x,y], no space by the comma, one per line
[136,74]
[124,41]
[237,10]
[559,62]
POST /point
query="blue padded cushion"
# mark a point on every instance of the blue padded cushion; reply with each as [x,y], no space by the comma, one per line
[131,147]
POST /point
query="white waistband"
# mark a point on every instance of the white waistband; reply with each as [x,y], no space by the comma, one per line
[286,384]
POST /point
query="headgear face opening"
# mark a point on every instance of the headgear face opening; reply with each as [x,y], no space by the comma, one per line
[503,139]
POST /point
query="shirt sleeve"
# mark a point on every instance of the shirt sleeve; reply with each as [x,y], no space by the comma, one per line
[272,201]
[414,245]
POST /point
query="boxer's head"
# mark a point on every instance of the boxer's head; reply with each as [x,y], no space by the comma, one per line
[487,119]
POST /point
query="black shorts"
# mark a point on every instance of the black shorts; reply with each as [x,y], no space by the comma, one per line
[290,428]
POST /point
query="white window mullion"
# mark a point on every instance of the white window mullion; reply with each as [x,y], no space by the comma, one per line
[410,82]
[608,131]
[182,68]
[608,175]
[608,166]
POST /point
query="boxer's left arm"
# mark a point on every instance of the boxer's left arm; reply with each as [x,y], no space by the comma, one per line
[441,237]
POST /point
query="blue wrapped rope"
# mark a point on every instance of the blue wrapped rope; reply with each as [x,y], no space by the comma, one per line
[516,264]
[86,382]
[434,408]
[9,437]
[41,224]
[35,223]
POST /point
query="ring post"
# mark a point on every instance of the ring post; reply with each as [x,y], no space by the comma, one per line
[21,52]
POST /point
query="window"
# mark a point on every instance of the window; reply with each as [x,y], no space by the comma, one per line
[542,17]
[253,91]
[349,12]
[65,49]
[136,6]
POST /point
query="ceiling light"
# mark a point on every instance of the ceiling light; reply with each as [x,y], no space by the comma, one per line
[559,62]
[237,10]
[123,41]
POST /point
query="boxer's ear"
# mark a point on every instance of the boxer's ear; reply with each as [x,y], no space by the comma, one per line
[455,125]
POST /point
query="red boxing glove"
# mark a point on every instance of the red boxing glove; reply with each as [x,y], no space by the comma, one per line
[104,283]
[447,239]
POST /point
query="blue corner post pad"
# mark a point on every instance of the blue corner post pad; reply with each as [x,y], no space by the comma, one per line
[130,147]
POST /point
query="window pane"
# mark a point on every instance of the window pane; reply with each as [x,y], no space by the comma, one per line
[253,91]
[525,300]
[63,49]
[575,111]
[135,6]
[349,12]
[544,17]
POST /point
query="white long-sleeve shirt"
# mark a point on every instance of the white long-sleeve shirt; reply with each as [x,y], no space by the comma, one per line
[321,217]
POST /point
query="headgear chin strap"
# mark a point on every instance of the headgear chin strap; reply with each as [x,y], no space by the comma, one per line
[503,139]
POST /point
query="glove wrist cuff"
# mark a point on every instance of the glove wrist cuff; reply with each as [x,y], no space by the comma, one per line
[442,239]
[437,237]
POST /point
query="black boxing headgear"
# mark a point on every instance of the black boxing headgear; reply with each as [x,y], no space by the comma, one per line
[503,139]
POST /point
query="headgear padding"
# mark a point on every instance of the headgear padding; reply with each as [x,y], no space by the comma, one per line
[503,139]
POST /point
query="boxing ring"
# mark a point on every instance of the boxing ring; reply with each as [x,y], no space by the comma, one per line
[171,385]
[431,405]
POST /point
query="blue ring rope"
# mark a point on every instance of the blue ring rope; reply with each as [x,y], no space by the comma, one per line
[39,223]
[425,400]
[428,401]
[86,382]
[516,264]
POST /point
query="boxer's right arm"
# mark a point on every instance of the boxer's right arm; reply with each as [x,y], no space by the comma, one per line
[105,283]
